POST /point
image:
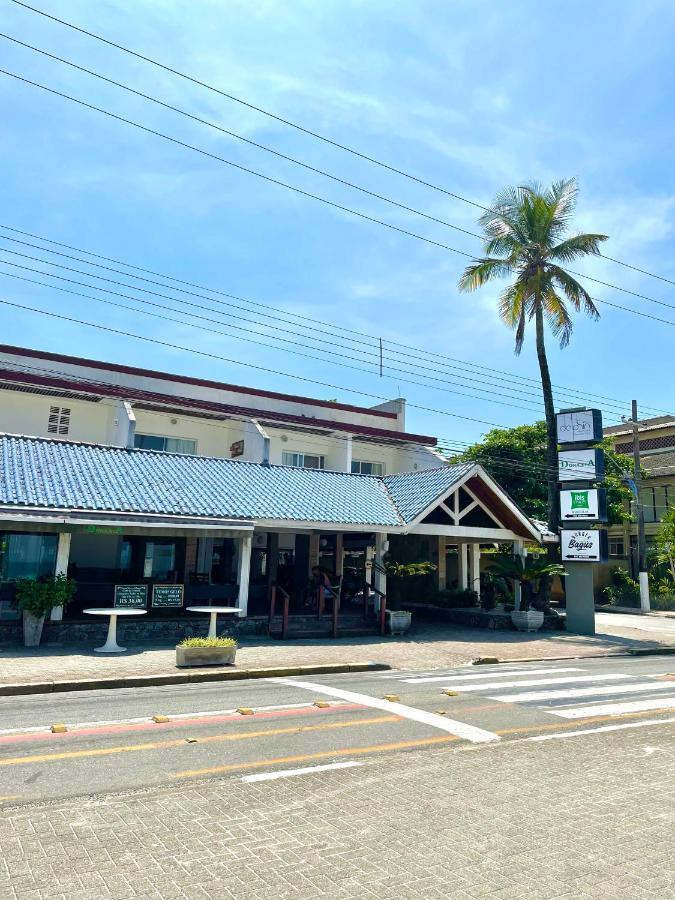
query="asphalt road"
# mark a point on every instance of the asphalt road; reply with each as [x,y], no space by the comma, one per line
[112,743]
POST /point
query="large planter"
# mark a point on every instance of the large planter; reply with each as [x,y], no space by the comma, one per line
[205,656]
[32,629]
[398,621]
[527,619]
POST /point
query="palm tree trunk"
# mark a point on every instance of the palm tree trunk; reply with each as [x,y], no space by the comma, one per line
[551,451]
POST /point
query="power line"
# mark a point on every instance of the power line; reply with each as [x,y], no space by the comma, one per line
[280,183]
[386,199]
[333,327]
[237,362]
[294,125]
[248,340]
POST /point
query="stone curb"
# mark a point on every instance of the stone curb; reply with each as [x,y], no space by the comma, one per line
[638,651]
[130,681]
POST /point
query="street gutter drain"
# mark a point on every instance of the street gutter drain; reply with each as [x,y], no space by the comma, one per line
[58,728]
[161,720]
[392,698]
[322,704]
[484,661]
[245,711]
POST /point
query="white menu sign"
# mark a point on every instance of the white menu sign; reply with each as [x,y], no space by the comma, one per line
[582,505]
[577,465]
[580,545]
[577,427]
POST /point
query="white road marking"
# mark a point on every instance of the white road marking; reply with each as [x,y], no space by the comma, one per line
[567,734]
[309,770]
[615,709]
[532,682]
[144,719]
[459,729]
[486,675]
[582,692]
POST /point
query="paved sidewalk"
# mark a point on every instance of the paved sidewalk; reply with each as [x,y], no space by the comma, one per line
[591,817]
[427,646]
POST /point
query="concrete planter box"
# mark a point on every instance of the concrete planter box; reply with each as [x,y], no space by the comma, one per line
[32,629]
[527,620]
[398,621]
[205,656]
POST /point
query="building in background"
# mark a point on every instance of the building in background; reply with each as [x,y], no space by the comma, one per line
[55,395]
[657,457]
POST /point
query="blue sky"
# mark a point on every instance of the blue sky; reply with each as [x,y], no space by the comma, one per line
[472,96]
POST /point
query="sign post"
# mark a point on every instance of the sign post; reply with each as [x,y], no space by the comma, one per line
[582,504]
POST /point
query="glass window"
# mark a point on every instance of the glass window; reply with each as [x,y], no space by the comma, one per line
[361,467]
[303,460]
[616,547]
[27,555]
[169,444]
[160,560]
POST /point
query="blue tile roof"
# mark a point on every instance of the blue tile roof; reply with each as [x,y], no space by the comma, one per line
[60,474]
[413,492]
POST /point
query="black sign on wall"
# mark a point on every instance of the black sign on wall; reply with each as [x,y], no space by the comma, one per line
[131,596]
[167,595]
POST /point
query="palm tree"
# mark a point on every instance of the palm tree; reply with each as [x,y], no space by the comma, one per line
[529,573]
[524,234]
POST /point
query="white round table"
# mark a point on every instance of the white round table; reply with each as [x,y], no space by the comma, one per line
[111,645]
[213,611]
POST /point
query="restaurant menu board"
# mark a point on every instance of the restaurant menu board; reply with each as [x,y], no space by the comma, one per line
[131,596]
[167,595]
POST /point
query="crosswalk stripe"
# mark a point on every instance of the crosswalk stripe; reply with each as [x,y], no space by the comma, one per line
[529,696]
[533,682]
[615,709]
[486,675]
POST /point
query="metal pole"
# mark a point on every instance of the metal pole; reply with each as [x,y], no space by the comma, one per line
[640,515]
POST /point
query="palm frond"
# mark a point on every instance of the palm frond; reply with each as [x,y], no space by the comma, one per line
[577,245]
[563,198]
[481,271]
[575,292]
[514,308]
[558,318]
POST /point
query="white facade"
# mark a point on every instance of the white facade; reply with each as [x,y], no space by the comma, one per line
[53,395]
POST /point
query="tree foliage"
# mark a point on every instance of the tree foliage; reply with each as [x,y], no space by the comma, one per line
[516,458]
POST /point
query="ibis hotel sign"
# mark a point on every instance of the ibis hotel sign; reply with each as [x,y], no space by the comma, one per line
[581,465]
[587,505]
[583,545]
[581,426]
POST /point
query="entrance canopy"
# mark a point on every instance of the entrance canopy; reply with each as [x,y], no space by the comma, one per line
[73,484]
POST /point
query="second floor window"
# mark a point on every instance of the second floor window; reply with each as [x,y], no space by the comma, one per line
[169,444]
[303,460]
[59,420]
[361,467]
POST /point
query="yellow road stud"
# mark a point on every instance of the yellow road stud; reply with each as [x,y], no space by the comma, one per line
[392,698]
[59,728]
[322,704]
[245,711]
[161,720]
[449,693]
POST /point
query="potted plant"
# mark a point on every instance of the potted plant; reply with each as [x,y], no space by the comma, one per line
[206,651]
[398,620]
[36,598]
[526,572]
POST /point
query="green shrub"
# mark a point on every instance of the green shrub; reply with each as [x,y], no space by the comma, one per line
[455,598]
[40,596]
[664,602]
[208,642]
[623,590]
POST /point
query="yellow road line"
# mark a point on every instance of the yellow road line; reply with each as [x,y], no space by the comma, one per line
[160,745]
[305,757]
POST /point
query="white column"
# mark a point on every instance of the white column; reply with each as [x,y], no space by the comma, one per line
[244,573]
[474,568]
[62,557]
[462,567]
[518,550]
[380,579]
[442,572]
